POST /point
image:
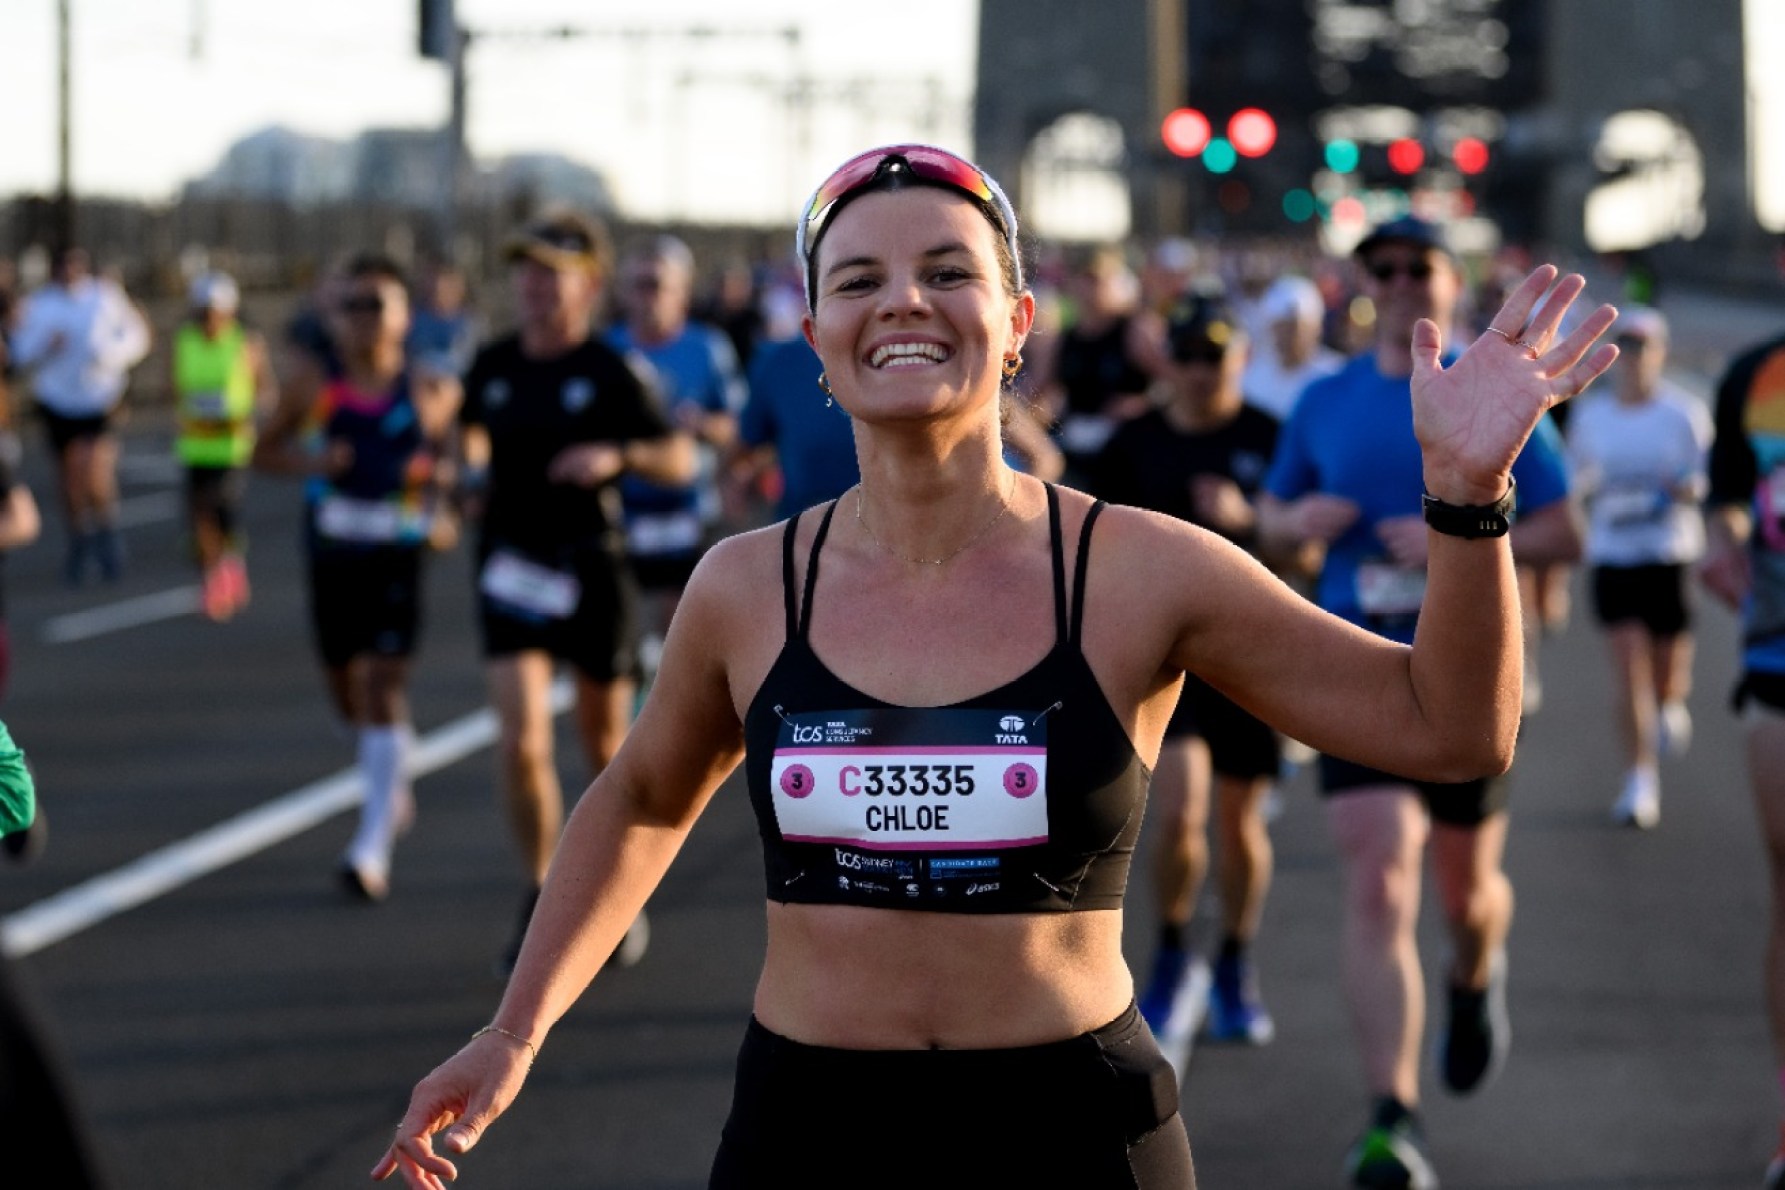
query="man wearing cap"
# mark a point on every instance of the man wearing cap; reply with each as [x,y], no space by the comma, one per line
[1347,474]
[552,419]
[696,371]
[1292,355]
[1201,458]
[222,378]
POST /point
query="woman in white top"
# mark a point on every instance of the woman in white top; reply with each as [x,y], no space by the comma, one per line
[78,338]
[1639,453]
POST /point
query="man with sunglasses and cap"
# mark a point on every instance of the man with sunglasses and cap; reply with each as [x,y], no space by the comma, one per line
[948,756]
[1347,475]
[1201,457]
[669,526]
[553,419]
[372,448]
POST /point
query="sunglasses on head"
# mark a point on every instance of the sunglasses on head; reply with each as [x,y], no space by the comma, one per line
[563,239]
[923,161]
[368,303]
[1385,271]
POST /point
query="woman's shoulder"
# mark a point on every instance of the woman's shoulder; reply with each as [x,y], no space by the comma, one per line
[1133,532]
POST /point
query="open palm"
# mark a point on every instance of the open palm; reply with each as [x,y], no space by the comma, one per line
[1473,418]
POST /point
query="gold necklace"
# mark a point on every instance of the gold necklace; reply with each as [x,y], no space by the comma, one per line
[1003,508]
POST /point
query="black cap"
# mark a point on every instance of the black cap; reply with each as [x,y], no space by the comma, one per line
[1408,229]
[1197,322]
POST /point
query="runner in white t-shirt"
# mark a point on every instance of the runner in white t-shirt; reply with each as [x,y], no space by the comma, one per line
[1639,452]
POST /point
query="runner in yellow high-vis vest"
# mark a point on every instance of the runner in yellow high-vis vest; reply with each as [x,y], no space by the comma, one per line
[221,378]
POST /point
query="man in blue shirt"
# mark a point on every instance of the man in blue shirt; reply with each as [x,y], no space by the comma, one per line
[1347,475]
[668,527]
[789,423]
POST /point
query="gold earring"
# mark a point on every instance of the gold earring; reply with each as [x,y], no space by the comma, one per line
[1012,365]
[824,383]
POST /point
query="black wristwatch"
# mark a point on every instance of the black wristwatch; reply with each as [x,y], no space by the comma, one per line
[1473,520]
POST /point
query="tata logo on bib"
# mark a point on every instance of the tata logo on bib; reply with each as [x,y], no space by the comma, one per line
[1010,730]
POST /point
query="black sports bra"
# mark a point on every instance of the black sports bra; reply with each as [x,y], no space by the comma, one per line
[1025,799]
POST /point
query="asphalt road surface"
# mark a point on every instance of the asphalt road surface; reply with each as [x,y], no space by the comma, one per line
[231,1019]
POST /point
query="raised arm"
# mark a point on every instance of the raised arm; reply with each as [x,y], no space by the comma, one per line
[1447,707]
[617,845]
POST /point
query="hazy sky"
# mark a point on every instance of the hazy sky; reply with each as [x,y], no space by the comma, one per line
[680,126]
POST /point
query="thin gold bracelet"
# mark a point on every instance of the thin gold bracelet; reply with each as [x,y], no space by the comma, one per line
[532,1051]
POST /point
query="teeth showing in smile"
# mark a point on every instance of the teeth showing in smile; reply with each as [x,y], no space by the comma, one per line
[899,355]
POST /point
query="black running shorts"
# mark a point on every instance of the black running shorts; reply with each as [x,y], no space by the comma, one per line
[64,429]
[1240,745]
[1653,595]
[599,636]
[1098,1110]
[1468,803]
[365,601]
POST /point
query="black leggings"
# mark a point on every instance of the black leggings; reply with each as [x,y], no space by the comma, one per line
[1098,1111]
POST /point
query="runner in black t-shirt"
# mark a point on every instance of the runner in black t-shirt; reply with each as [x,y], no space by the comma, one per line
[1201,458]
[552,418]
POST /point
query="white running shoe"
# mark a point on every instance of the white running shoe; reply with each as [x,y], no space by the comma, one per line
[633,943]
[1673,729]
[1640,803]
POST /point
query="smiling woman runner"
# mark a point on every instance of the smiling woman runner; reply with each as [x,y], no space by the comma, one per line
[948,757]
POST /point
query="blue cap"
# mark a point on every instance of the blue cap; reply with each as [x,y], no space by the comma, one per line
[1408,229]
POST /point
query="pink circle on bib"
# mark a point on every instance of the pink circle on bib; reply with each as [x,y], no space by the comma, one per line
[1021,780]
[796,780]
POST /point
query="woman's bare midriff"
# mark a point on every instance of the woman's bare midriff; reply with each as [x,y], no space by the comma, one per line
[856,978]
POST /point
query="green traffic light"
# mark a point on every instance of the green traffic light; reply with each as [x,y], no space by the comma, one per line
[1298,206]
[1220,155]
[1341,156]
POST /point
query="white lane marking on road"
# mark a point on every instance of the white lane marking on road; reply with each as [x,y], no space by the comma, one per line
[144,510]
[72,910]
[126,613]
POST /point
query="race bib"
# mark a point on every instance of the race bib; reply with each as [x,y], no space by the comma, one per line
[206,406]
[912,779]
[529,587]
[365,522]
[663,532]
[1630,505]
[1085,433]
[1384,589]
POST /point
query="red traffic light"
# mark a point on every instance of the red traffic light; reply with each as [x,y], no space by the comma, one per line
[1186,131]
[1470,155]
[1252,132]
[1406,155]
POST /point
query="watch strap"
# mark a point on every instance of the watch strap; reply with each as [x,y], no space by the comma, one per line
[1472,520]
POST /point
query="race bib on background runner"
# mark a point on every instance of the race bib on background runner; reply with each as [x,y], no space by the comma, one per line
[528,587]
[651,533]
[1385,589]
[366,522]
